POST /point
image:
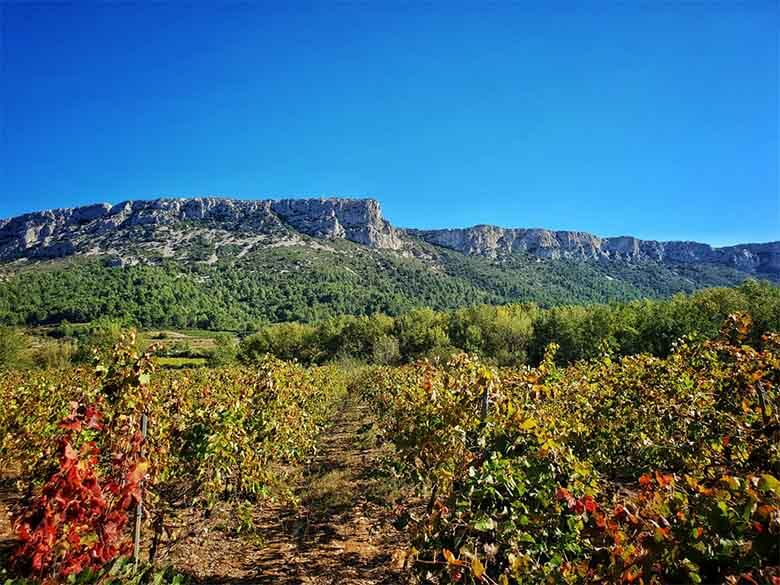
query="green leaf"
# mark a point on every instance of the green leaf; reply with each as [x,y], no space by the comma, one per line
[525,537]
[769,483]
[484,524]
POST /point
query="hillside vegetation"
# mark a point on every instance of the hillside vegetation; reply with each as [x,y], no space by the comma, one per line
[312,282]
[503,335]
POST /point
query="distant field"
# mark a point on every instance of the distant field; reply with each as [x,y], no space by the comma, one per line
[180,362]
[184,348]
[198,339]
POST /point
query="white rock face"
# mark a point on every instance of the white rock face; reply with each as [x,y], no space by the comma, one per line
[493,241]
[61,232]
[357,220]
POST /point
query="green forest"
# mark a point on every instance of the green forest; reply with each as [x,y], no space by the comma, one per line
[519,333]
[504,335]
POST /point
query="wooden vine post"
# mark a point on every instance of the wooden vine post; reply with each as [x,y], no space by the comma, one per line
[486,401]
[762,402]
[139,513]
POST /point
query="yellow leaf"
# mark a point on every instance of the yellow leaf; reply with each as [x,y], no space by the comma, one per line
[477,568]
[527,424]
[139,472]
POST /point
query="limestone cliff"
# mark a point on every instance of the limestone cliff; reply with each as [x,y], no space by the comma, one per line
[103,227]
[493,241]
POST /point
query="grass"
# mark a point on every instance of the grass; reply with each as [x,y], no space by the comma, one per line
[180,362]
[199,343]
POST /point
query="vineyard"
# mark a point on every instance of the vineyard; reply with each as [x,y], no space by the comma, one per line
[211,435]
[613,469]
[632,470]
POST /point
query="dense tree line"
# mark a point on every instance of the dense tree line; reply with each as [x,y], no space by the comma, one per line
[505,335]
[517,334]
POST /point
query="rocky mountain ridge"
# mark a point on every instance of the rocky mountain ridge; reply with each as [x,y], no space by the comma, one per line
[492,241]
[100,228]
[163,223]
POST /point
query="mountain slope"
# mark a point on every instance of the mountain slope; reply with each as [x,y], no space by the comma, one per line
[219,263]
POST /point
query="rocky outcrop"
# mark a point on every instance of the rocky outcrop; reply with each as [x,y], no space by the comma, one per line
[356,220]
[493,241]
[61,232]
[486,240]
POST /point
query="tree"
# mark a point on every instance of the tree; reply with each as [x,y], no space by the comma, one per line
[12,344]
[99,338]
[54,354]
[421,331]
[225,350]
[385,351]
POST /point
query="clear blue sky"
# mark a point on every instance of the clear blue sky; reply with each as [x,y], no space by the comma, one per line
[659,121]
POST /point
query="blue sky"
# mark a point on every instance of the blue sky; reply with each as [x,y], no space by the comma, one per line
[653,119]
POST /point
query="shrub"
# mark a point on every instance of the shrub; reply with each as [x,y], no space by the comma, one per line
[12,344]
[225,350]
[55,354]
[385,351]
[78,520]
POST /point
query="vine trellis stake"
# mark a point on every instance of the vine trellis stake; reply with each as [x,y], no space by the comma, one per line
[486,400]
[139,512]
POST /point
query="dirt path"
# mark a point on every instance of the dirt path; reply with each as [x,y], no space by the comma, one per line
[341,534]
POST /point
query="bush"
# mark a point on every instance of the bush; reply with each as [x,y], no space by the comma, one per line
[635,469]
[77,522]
[55,354]
[12,345]
[287,341]
[98,339]
[385,351]
[225,350]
